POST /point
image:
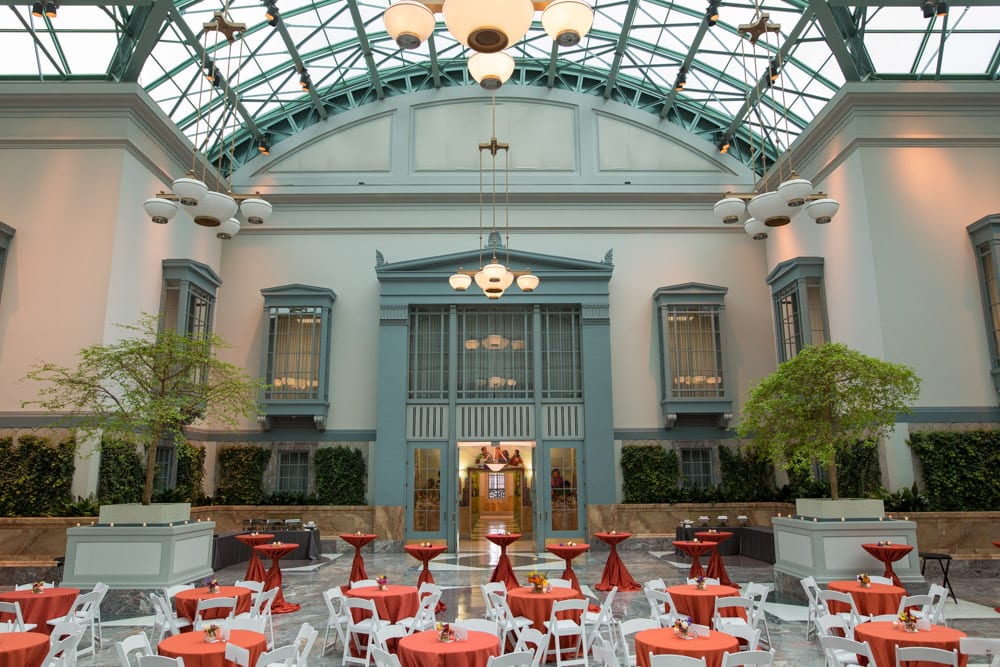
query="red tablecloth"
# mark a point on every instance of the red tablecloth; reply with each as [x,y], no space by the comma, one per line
[872,601]
[716,569]
[23,649]
[615,573]
[883,637]
[255,569]
[425,649]
[358,564]
[503,571]
[568,553]
[186,602]
[694,550]
[393,604]
[198,652]
[523,601]
[888,554]
[425,555]
[663,640]
[38,608]
[700,604]
[273,577]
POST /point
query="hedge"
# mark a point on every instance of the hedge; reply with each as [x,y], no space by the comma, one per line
[959,469]
[340,476]
[36,476]
[241,475]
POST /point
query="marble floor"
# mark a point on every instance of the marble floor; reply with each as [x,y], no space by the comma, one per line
[978,590]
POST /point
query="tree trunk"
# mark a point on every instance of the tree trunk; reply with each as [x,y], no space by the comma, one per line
[832,472]
[147,491]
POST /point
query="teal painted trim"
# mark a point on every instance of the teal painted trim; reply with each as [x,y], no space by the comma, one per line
[985,233]
[598,417]
[956,415]
[286,435]
[387,467]
[296,294]
[794,269]
[6,235]
[682,433]
[198,274]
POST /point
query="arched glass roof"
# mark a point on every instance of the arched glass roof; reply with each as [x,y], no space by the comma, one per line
[632,55]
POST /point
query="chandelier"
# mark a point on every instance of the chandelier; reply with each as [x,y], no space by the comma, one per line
[488,27]
[206,207]
[494,278]
[771,208]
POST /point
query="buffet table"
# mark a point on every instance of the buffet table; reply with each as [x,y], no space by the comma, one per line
[228,550]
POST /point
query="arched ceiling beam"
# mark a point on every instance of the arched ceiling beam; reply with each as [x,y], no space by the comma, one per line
[366,48]
[620,48]
[140,35]
[300,65]
[845,39]
[685,65]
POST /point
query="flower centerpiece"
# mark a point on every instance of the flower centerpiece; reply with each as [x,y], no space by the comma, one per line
[538,581]
[382,581]
[908,620]
[885,543]
[699,582]
[213,585]
[681,627]
[864,580]
[444,632]
[38,587]
[213,633]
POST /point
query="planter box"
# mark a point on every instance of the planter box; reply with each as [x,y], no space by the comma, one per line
[850,508]
[138,514]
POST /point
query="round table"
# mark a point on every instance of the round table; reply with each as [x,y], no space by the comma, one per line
[255,569]
[504,571]
[700,604]
[716,568]
[186,602]
[524,601]
[694,550]
[23,649]
[393,604]
[663,640]
[38,608]
[872,601]
[358,564]
[615,573]
[198,652]
[888,554]
[884,636]
[568,552]
[425,649]
[425,555]
[273,577]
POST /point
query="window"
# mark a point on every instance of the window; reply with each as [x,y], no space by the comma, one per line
[693,376]
[696,468]
[293,473]
[428,364]
[297,356]
[799,305]
[498,490]
[495,353]
[985,237]
[188,300]
[166,467]
[562,366]
[6,234]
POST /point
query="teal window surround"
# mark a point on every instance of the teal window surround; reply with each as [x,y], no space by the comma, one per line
[296,305]
[6,236]
[985,237]
[799,302]
[715,399]
[188,298]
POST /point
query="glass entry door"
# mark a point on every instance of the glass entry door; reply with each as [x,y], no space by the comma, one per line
[558,510]
[428,501]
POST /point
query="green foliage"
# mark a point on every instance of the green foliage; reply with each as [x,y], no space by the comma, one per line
[858,470]
[36,476]
[650,474]
[147,386]
[190,471]
[120,476]
[746,476]
[959,469]
[286,498]
[903,500]
[80,507]
[340,476]
[241,475]
[824,400]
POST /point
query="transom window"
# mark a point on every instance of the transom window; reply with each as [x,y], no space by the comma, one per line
[799,305]
[695,343]
[495,353]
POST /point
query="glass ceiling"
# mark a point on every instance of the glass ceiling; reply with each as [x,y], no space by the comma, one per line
[632,55]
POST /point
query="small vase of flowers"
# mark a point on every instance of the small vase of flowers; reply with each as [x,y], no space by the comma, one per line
[38,587]
[213,633]
[212,584]
[538,581]
[908,620]
[383,582]
[444,632]
[864,580]
[699,583]
[681,627]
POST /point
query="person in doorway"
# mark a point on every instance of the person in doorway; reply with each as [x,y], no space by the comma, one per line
[558,485]
[515,459]
[484,456]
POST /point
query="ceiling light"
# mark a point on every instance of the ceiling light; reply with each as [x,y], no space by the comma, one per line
[928,9]
[681,80]
[305,81]
[756,229]
[712,13]
[228,229]
[264,146]
[37,10]
[942,8]
[409,22]
[52,8]
[491,70]
[271,12]
[567,21]
[723,145]
[774,70]
[488,26]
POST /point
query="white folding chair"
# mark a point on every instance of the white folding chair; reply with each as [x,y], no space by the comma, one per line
[720,622]
[672,660]
[159,661]
[985,646]
[137,644]
[226,604]
[279,657]
[764,658]
[170,591]
[926,654]
[498,587]
[510,625]
[513,659]
[479,625]
[83,612]
[533,639]
[425,618]
[661,606]
[384,658]
[238,654]
[626,634]
[601,621]
[923,604]
[815,607]
[255,587]
[843,652]
[746,635]
[560,628]
[758,593]
[261,609]
[62,630]
[851,617]
[603,653]
[254,624]
[939,595]
[336,617]
[17,623]
[656,584]
[304,640]
[387,632]
[63,650]
[558,582]
[164,619]
[826,626]
[360,634]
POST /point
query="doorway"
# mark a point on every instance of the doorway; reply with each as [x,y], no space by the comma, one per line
[495,482]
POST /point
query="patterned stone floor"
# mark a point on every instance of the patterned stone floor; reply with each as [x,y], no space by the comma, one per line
[977,587]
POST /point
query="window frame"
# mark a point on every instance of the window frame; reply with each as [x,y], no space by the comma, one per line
[6,237]
[984,234]
[708,457]
[282,464]
[314,410]
[800,278]
[193,279]
[674,406]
